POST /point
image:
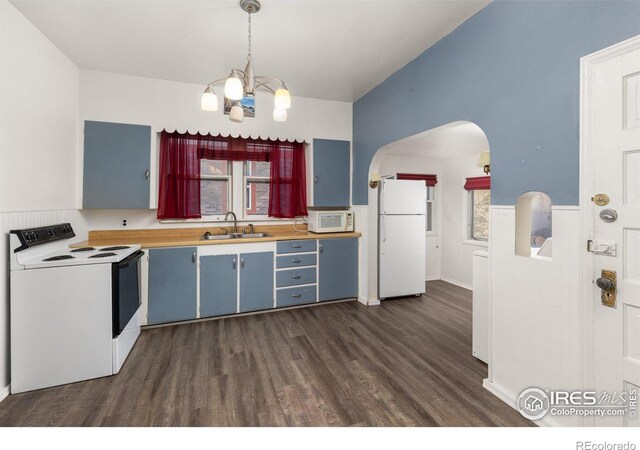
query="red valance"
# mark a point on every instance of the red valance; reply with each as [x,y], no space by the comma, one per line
[179,178]
[477,183]
[429,180]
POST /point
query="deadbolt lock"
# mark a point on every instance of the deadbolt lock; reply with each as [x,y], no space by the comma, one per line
[600,199]
[608,283]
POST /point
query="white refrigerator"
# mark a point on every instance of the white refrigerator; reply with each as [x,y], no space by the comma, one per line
[401,238]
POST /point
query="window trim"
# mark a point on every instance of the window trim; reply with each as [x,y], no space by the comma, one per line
[251,179]
[434,212]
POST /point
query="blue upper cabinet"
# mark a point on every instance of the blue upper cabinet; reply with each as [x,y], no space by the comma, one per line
[172,284]
[338,268]
[331,172]
[116,165]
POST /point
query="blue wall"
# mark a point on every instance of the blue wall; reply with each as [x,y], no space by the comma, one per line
[514,70]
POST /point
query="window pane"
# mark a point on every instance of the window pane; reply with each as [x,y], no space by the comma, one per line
[429,216]
[481,202]
[214,168]
[257,169]
[214,197]
[540,219]
[257,198]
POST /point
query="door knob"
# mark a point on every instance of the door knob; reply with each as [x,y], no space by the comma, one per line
[608,282]
[605,284]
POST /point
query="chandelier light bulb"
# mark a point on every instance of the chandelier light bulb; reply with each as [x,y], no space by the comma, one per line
[233,89]
[279,115]
[209,100]
[282,98]
[236,114]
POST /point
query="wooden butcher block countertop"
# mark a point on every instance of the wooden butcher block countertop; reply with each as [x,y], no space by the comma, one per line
[183,237]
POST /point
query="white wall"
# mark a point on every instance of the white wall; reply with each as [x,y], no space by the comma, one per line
[39,117]
[536,315]
[172,105]
[38,143]
[392,164]
[457,253]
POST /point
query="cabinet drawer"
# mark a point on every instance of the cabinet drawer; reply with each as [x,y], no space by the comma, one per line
[295,277]
[309,245]
[296,260]
[295,296]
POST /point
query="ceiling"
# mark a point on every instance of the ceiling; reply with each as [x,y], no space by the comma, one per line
[447,142]
[332,49]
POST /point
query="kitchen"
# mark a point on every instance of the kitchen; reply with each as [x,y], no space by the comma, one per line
[258,244]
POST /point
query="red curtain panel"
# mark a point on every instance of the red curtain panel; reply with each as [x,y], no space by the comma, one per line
[180,155]
[179,177]
[429,180]
[476,183]
[288,184]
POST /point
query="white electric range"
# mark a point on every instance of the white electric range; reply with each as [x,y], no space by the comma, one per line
[74,312]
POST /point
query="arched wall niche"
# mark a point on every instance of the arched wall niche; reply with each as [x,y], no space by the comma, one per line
[534,225]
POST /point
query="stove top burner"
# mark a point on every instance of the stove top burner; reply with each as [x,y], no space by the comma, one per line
[101,255]
[110,249]
[59,258]
[82,249]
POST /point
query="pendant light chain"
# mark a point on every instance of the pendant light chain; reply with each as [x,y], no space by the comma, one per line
[249,48]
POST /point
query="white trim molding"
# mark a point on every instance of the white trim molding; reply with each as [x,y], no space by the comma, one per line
[4,392]
[457,283]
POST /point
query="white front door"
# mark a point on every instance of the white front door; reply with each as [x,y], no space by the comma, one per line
[613,168]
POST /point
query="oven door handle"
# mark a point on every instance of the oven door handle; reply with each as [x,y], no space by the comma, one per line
[130,260]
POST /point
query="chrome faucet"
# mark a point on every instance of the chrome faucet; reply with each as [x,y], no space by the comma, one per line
[235,220]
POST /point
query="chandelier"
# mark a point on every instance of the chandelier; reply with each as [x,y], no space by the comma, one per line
[240,86]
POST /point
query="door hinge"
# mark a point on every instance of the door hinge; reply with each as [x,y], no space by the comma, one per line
[602,248]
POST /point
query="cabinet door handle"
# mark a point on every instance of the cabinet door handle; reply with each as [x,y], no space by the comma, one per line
[147,174]
[296,277]
[296,245]
[296,295]
[321,247]
[193,258]
[242,262]
[235,264]
[295,260]
[315,180]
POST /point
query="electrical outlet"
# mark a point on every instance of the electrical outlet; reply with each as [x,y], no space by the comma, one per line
[124,223]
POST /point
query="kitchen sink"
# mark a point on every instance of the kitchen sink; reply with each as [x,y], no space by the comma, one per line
[217,237]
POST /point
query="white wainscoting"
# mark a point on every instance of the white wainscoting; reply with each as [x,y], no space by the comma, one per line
[536,327]
[10,221]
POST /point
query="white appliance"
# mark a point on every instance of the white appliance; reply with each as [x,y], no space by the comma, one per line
[480,326]
[330,221]
[74,312]
[401,238]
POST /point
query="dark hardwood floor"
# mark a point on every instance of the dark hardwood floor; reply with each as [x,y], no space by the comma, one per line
[405,363]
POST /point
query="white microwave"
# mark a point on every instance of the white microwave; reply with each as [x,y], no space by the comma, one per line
[330,221]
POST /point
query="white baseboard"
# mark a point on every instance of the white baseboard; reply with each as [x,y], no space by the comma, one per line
[434,278]
[4,392]
[511,400]
[457,283]
[368,302]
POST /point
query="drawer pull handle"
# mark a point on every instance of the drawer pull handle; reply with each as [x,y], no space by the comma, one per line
[296,295]
[296,277]
[296,245]
[296,260]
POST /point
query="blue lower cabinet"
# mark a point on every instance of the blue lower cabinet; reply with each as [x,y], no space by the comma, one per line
[338,269]
[295,296]
[256,281]
[172,284]
[218,285]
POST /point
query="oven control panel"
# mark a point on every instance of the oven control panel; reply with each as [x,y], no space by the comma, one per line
[41,235]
